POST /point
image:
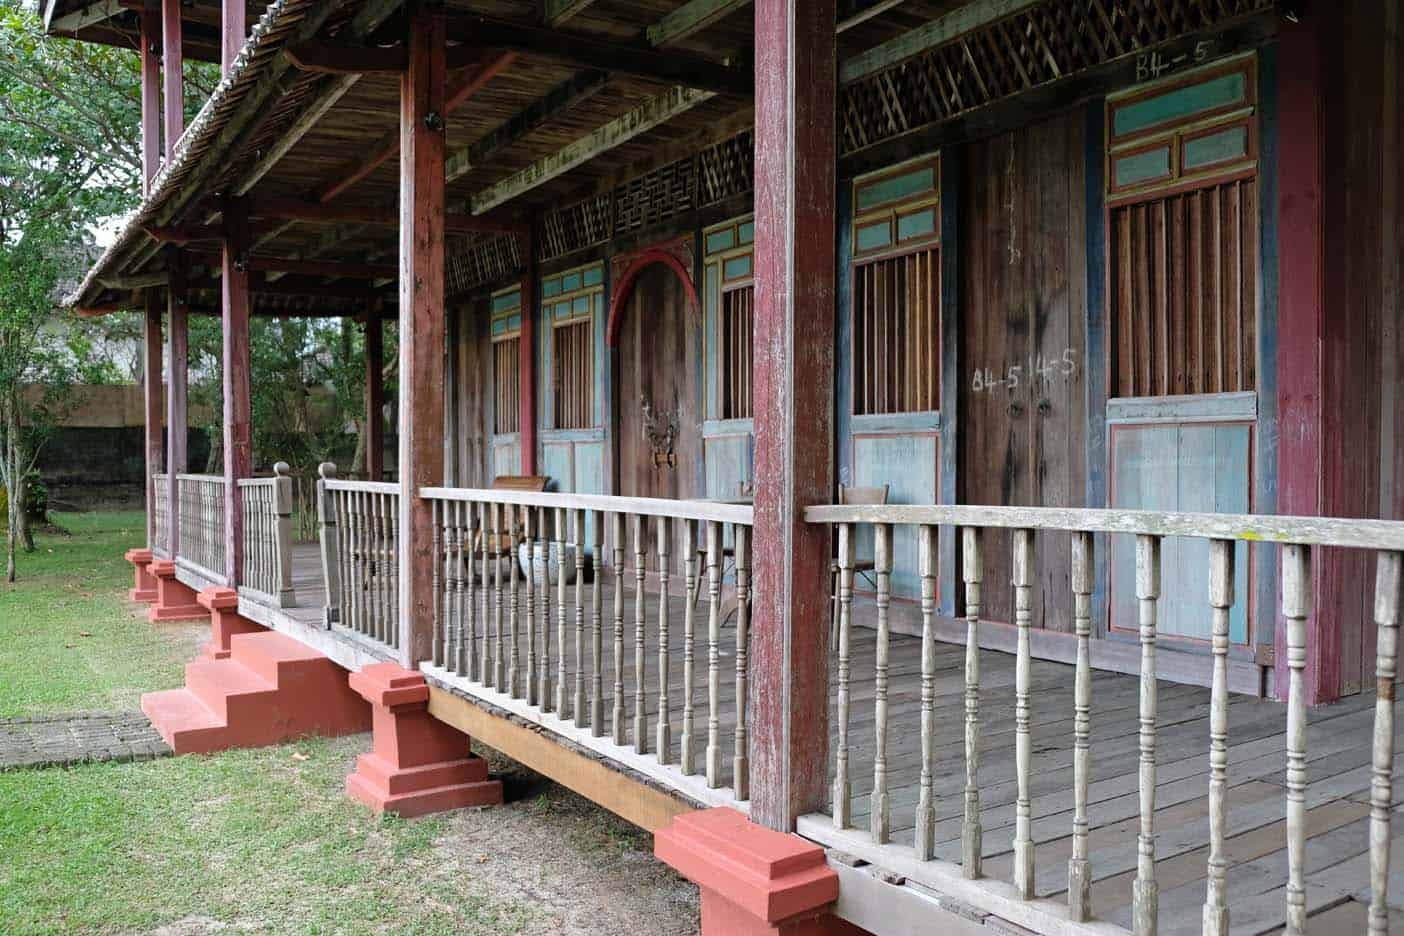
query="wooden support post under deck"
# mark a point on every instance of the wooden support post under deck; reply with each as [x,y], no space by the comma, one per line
[375,394]
[152,378]
[238,433]
[150,97]
[794,402]
[173,66]
[177,309]
[233,28]
[526,367]
[421,320]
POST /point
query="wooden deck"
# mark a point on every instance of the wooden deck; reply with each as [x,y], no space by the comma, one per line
[1338,752]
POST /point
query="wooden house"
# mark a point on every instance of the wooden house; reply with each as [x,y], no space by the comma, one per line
[855,344]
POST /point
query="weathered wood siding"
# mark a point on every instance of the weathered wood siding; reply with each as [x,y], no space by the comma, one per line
[1023,305]
[472,397]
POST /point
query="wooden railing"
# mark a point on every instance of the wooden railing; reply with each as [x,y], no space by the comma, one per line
[266,506]
[359,523]
[160,492]
[1298,537]
[498,636]
[201,522]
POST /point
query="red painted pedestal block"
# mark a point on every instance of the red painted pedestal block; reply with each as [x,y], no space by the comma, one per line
[418,764]
[225,621]
[754,881]
[143,582]
[175,601]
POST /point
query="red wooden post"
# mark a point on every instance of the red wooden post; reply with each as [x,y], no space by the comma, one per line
[238,433]
[150,97]
[421,320]
[152,376]
[375,393]
[233,27]
[177,306]
[526,367]
[174,67]
[1301,323]
[794,395]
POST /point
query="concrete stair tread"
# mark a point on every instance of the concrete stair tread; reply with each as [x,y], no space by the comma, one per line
[273,647]
[185,722]
[217,683]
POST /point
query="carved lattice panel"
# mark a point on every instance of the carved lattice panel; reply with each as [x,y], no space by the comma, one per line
[655,196]
[486,261]
[726,169]
[576,226]
[1046,42]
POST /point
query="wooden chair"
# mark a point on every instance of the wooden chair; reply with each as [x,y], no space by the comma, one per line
[862,567]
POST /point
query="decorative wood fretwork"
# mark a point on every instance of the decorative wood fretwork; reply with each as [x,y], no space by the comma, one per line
[576,226]
[655,196]
[1044,43]
[726,169]
[490,260]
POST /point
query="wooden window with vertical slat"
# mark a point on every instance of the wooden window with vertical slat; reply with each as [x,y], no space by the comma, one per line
[738,328]
[1184,292]
[573,352]
[506,362]
[897,334]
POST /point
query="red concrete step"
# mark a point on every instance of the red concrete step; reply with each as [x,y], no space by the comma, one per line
[185,723]
[228,688]
[278,658]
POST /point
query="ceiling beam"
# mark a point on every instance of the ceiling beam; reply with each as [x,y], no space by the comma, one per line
[589,52]
[334,58]
[325,98]
[290,209]
[558,11]
[618,131]
[857,12]
[89,14]
[690,18]
[308,267]
[933,33]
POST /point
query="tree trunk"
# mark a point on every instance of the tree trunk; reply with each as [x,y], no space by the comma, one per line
[12,502]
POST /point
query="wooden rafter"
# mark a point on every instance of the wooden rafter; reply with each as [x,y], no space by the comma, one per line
[558,11]
[87,15]
[293,265]
[288,209]
[589,52]
[616,132]
[690,18]
[942,29]
[335,58]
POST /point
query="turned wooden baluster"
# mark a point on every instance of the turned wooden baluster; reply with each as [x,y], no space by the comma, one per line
[1023,741]
[463,598]
[1296,608]
[1145,892]
[578,541]
[640,654]
[1221,557]
[393,615]
[843,784]
[494,676]
[1079,872]
[352,558]
[687,760]
[663,744]
[596,625]
[478,648]
[562,631]
[514,650]
[530,538]
[714,559]
[544,690]
[440,554]
[381,567]
[616,536]
[740,768]
[1387,575]
[925,839]
[971,834]
[879,806]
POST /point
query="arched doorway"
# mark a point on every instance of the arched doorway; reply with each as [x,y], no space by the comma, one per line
[656,330]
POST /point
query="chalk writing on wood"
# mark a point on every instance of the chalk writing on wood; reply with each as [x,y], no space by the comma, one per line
[1152,65]
[1034,374]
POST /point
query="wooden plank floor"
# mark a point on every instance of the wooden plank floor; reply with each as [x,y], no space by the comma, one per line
[1338,767]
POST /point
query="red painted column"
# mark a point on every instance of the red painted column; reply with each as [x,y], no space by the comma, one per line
[375,393]
[794,405]
[174,68]
[233,28]
[1301,323]
[526,366]
[151,377]
[177,393]
[238,433]
[421,332]
[754,881]
[150,96]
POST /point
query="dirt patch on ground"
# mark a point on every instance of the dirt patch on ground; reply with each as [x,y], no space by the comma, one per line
[583,869]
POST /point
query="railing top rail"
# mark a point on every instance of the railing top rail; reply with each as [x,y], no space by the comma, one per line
[1265,528]
[258,482]
[715,511]
[371,487]
[160,475]
[211,478]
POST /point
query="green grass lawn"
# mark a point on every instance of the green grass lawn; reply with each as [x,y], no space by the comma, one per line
[69,639]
